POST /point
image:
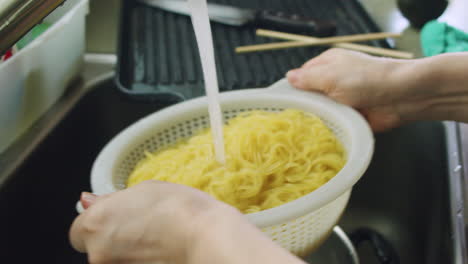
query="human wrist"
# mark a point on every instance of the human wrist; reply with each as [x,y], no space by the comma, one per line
[446,74]
[432,88]
[439,76]
[228,237]
[399,79]
[387,81]
[406,86]
[440,88]
[211,234]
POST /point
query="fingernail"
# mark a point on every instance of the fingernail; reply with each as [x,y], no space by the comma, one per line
[87,199]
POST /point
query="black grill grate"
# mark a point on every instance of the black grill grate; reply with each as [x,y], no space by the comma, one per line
[158,56]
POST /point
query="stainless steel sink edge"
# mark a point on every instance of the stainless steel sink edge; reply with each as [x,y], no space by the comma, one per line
[458,189]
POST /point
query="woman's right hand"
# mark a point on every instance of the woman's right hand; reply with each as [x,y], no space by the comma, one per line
[388,92]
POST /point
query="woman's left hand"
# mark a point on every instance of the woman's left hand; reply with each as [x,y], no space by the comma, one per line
[158,222]
[153,222]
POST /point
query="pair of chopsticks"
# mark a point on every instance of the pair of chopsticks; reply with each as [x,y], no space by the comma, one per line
[339,41]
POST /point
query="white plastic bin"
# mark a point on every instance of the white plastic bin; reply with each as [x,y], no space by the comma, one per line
[35,77]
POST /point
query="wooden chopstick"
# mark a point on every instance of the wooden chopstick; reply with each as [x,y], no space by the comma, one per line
[350,46]
[273,46]
[329,40]
[340,41]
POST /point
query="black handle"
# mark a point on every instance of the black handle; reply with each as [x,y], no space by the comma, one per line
[294,23]
[384,251]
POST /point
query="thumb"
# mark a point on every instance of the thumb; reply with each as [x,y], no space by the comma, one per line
[87,199]
[306,79]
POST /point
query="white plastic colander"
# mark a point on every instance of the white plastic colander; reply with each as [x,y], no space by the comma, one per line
[298,226]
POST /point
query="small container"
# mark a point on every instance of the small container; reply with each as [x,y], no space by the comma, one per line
[419,12]
[33,79]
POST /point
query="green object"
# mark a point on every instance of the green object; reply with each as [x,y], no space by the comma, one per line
[32,35]
[438,37]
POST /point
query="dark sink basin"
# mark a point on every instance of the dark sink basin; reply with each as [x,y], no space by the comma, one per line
[403,195]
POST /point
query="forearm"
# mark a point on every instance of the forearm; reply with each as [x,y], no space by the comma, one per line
[434,88]
[232,240]
[448,72]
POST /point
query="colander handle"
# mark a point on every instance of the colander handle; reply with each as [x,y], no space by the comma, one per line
[283,86]
[383,249]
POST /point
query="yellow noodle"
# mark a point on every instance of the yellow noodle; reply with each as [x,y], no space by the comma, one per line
[272,159]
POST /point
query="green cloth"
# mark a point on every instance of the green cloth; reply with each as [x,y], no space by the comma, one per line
[438,37]
[32,34]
